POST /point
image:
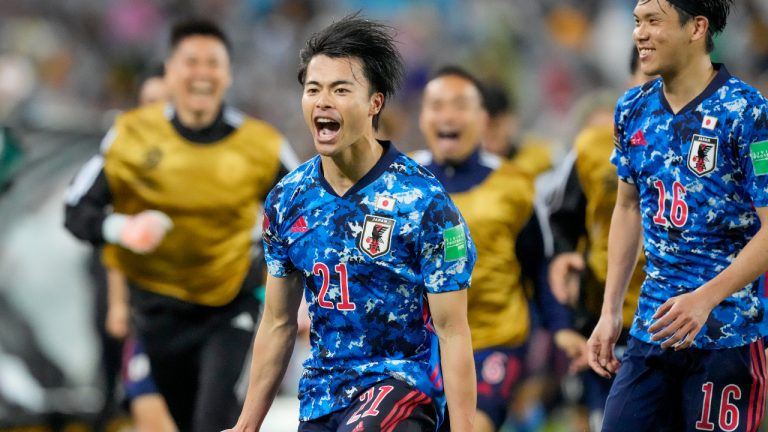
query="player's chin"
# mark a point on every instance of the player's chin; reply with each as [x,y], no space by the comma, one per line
[326,149]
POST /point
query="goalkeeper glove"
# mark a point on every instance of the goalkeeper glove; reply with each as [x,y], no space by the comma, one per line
[140,233]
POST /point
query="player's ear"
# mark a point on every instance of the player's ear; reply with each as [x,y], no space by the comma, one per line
[376,102]
[700,28]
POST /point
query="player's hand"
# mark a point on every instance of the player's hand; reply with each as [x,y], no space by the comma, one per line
[680,319]
[564,277]
[140,233]
[239,428]
[601,344]
[118,321]
[574,345]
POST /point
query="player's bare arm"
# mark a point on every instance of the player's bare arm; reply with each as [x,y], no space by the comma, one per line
[272,349]
[458,364]
[624,241]
[680,318]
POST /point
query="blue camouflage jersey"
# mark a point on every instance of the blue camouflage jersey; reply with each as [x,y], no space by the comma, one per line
[699,180]
[368,259]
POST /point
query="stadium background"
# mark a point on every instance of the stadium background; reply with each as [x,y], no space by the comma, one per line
[67,66]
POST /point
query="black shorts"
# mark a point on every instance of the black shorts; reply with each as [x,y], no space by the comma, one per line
[197,355]
[389,406]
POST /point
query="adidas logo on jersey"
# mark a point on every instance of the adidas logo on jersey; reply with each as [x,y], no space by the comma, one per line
[299,226]
[638,139]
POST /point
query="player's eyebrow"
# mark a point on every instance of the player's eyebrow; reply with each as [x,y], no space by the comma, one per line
[333,84]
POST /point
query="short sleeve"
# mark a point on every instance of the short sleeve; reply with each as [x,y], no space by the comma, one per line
[753,151]
[620,156]
[447,251]
[275,248]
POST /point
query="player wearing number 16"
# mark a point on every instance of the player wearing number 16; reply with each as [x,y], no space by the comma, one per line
[692,160]
[382,253]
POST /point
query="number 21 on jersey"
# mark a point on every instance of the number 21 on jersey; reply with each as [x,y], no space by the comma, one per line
[322,270]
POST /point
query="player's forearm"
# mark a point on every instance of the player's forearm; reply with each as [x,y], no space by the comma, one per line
[272,350]
[748,265]
[117,289]
[458,367]
[624,245]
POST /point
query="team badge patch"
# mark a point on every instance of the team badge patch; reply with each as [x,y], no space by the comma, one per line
[703,154]
[758,152]
[377,235]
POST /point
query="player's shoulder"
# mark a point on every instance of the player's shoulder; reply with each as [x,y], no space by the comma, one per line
[414,165]
[297,180]
[158,112]
[259,128]
[593,137]
[739,93]
[412,174]
[506,169]
[635,95]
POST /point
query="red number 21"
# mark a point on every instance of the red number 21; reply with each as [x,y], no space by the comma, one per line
[320,269]
[372,403]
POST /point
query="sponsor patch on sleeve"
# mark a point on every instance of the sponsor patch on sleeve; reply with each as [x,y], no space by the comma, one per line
[455,243]
[758,152]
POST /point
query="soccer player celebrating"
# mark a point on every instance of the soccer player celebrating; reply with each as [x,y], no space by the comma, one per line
[382,253]
[176,188]
[496,197]
[692,160]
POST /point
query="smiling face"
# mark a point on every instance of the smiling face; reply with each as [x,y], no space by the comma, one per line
[338,104]
[664,45]
[452,118]
[198,75]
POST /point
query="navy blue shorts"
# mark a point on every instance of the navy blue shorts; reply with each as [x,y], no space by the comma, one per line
[690,390]
[389,406]
[498,369]
[136,374]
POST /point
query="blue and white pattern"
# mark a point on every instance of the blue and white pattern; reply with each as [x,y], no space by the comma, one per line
[698,193]
[367,265]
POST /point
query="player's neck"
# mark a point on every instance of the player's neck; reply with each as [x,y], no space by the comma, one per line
[343,170]
[196,120]
[684,85]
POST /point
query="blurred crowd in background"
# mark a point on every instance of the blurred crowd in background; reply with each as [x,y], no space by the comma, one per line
[68,66]
[64,65]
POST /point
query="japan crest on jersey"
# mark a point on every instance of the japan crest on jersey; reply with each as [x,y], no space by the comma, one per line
[703,154]
[377,235]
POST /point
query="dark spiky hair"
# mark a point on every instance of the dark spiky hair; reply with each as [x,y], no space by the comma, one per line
[370,42]
[716,12]
[197,27]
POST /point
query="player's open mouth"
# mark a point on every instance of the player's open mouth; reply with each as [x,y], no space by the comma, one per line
[448,136]
[201,88]
[326,128]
